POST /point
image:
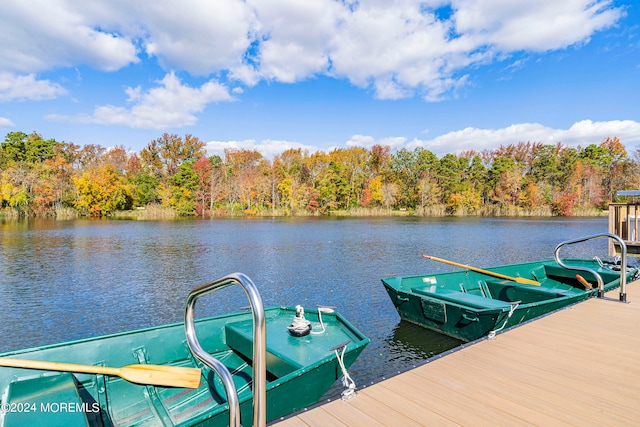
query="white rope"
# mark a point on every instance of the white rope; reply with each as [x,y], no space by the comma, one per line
[321,331]
[492,334]
[347,381]
[299,323]
[322,309]
[299,326]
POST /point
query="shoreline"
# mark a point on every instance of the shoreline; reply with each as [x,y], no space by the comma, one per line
[170,214]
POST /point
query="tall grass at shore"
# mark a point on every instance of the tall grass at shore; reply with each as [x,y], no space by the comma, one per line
[149,212]
[159,212]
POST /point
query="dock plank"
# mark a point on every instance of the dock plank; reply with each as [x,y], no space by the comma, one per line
[384,412]
[575,367]
[534,397]
[350,416]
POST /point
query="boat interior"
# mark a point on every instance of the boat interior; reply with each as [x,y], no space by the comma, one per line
[480,291]
[110,400]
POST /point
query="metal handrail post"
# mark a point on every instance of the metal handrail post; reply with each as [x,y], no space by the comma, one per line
[259,347]
[623,263]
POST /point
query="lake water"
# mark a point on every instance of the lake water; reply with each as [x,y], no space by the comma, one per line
[64,280]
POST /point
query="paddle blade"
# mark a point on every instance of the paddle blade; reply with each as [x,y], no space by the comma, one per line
[167,376]
[526,281]
[584,282]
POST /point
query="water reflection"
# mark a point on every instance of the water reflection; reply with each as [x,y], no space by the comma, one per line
[411,344]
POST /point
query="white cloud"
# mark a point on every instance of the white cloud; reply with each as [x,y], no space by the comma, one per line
[587,132]
[6,123]
[538,26]
[294,37]
[199,36]
[402,48]
[360,141]
[22,87]
[269,148]
[581,133]
[368,141]
[393,142]
[41,35]
[399,49]
[171,104]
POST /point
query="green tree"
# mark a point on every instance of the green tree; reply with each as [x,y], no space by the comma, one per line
[145,186]
[404,174]
[568,157]
[355,161]
[505,179]
[218,186]
[333,187]
[477,174]
[183,188]
[20,147]
[450,175]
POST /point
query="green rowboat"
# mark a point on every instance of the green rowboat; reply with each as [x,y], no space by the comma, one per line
[235,357]
[474,303]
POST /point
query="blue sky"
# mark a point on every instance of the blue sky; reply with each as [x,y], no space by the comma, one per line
[269,75]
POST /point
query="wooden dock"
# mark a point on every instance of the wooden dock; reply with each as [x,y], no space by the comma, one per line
[577,367]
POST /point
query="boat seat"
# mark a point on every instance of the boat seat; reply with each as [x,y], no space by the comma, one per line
[285,353]
[239,336]
[461,298]
[553,271]
[51,400]
[500,286]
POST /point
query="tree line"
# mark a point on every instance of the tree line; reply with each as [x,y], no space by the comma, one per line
[45,177]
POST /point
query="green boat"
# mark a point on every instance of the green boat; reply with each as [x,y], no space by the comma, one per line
[475,303]
[248,367]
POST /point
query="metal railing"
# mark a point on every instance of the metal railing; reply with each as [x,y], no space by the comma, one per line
[624,220]
[623,262]
[259,348]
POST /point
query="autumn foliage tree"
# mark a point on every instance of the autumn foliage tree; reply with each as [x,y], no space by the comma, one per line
[41,177]
[101,191]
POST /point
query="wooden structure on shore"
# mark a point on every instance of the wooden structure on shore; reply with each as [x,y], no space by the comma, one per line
[624,219]
[574,367]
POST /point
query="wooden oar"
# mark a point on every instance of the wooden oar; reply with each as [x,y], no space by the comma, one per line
[487,272]
[584,282]
[168,376]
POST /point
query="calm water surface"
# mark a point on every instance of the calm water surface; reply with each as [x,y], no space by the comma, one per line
[63,280]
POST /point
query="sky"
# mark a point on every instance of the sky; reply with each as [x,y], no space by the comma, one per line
[270,75]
